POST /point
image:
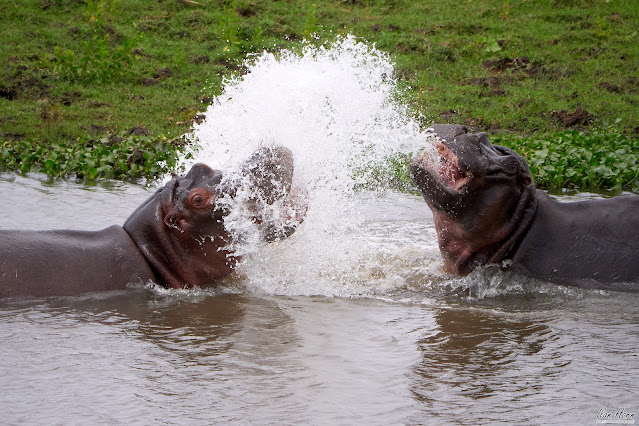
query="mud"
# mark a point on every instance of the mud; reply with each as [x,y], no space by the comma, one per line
[569,119]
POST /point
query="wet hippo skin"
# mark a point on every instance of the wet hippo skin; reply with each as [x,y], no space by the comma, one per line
[486,211]
[176,238]
[42,263]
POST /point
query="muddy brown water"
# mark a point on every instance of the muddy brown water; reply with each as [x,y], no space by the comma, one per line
[389,343]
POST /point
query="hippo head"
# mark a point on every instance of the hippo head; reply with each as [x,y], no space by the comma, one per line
[180,229]
[478,193]
[468,171]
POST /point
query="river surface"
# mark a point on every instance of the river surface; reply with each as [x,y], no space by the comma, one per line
[391,341]
[351,320]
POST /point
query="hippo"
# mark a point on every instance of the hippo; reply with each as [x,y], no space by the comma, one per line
[176,238]
[487,210]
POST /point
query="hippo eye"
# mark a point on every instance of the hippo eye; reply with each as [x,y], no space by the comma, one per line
[198,198]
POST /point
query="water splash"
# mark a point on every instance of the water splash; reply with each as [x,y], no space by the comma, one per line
[335,108]
[327,105]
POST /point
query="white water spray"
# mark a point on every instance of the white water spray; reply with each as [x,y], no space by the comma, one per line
[335,109]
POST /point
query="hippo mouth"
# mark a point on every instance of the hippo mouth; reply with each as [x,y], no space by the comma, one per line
[445,167]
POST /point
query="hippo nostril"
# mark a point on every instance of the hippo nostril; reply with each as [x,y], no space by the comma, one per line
[171,220]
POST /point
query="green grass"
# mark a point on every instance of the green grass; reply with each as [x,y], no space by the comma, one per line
[76,71]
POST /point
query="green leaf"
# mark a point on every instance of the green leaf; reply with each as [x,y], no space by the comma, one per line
[492,46]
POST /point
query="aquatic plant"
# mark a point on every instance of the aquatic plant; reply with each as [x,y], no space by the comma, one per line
[129,157]
[580,160]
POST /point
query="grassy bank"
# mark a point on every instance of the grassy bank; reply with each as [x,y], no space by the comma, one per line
[78,75]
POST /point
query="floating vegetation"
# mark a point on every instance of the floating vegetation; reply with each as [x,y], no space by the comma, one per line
[580,160]
[115,157]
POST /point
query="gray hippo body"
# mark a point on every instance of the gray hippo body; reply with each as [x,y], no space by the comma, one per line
[486,211]
[176,238]
[592,243]
[43,263]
